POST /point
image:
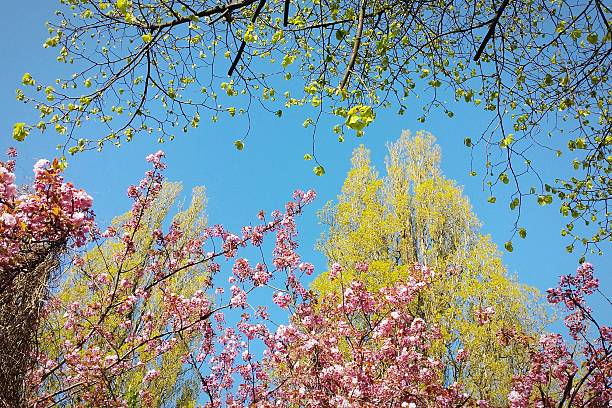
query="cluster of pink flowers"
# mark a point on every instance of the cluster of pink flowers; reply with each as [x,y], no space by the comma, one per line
[555,378]
[49,212]
[571,292]
[359,348]
[483,314]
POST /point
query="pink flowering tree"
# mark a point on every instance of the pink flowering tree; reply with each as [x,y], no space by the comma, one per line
[366,348]
[36,227]
[356,347]
[361,348]
[570,375]
[130,317]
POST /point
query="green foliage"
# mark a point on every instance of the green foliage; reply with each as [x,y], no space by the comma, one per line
[175,386]
[319,170]
[414,214]
[358,117]
[152,66]
[20,131]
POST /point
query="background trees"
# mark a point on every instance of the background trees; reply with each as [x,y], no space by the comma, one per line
[84,283]
[414,215]
[149,317]
[161,66]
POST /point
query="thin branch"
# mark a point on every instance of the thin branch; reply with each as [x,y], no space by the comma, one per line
[326,24]
[204,13]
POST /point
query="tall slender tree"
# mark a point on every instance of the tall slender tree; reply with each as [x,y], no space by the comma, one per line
[176,384]
[414,215]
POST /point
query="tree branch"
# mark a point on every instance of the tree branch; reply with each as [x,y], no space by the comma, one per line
[204,13]
[243,43]
[326,24]
[286,13]
[491,30]
[351,64]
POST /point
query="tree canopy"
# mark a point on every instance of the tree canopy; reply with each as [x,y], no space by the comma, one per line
[540,68]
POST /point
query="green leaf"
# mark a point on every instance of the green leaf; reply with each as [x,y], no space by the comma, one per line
[359,117]
[287,60]
[545,199]
[249,34]
[319,170]
[507,141]
[308,156]
[508,246]
[239,144]
[492,199]
[122,5]
[522,232]
[575,34]
[564,210]
[147,38]
[467,141]
[20,131]
[27,79]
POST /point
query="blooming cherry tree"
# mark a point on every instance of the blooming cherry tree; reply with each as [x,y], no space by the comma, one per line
[36,227]
[129,316]
[570,376]
[355,347]
[360,349]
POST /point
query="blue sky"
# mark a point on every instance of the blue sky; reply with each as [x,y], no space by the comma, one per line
[265,173]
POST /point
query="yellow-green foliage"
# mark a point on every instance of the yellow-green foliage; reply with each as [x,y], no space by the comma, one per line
[174,387]
[415,214]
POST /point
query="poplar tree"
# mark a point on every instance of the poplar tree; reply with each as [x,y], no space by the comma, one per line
[380,227]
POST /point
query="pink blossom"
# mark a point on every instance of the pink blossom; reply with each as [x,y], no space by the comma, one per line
[150,375]
[282,299]
[336,269]
[8,219]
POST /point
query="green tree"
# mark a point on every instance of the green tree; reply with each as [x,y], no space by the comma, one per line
[416,215]
[176,384]
[539,68]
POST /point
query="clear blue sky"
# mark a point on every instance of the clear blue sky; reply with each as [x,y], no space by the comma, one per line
[264,174]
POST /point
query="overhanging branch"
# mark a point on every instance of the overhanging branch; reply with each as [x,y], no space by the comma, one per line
[491,30]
